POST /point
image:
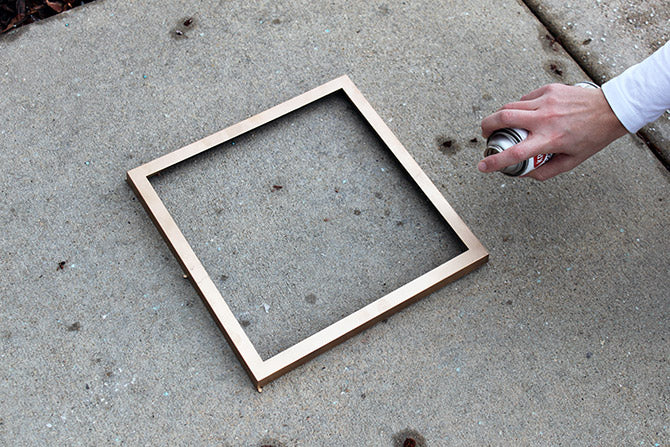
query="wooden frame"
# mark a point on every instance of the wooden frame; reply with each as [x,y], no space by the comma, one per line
[262,371]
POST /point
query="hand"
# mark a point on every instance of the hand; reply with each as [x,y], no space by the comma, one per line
[571,122]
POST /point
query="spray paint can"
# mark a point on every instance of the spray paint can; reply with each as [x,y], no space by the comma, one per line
[503,139]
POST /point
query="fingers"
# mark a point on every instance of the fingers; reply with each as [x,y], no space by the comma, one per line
[542,91]
[507,118]
[534,94]
[557,165]
[532,104]
[516,154]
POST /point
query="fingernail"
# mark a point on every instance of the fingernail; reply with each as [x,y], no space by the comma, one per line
[482,166]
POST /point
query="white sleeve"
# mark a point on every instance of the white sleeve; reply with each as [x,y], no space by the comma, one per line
[641,94]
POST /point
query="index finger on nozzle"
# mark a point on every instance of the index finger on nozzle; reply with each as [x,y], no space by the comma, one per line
[506,118]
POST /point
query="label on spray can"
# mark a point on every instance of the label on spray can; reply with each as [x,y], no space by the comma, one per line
[503,139]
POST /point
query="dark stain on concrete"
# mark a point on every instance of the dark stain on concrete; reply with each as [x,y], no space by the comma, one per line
[409,438]
[183,27]
[268,442]
[384,10]
[555,68]
[311,298]
[244,319]
[549,43]
[446,145]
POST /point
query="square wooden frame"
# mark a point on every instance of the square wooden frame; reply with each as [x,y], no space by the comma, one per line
[262,371]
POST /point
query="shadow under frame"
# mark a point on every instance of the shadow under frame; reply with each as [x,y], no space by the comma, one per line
[260,371]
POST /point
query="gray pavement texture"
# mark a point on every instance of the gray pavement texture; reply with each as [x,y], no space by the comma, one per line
[606,37]
[561,339]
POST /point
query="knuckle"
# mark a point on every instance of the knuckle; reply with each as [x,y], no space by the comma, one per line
[551,109]
[550,115]
[554,88]
[506,115]
[551,102]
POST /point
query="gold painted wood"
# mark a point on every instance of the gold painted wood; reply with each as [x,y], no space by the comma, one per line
[262,371]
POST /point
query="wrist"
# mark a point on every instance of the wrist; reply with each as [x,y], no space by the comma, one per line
[610,124]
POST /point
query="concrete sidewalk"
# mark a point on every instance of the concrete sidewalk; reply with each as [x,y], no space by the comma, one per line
[561,339]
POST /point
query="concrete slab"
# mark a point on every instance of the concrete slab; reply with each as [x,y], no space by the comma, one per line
[608,36]
[561,338]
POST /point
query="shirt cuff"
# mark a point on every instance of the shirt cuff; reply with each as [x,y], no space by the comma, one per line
[619,104]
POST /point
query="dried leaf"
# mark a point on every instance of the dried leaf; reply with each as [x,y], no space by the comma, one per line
[55,5]
[16,21]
